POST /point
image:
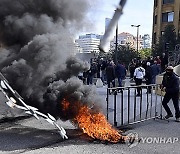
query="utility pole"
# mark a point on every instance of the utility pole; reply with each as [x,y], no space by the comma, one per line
[137,26]
[116,47]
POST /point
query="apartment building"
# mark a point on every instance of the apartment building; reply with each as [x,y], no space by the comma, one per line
[89,43]
[165,12]
[126,38]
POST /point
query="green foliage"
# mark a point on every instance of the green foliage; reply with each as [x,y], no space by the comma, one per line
[124,54]
[167,41]
[144,53]
[158,48]
[170,37]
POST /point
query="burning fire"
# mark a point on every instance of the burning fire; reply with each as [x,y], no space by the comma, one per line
[95,124]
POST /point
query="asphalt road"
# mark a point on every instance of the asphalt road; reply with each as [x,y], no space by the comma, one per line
[29,136]
[20,134]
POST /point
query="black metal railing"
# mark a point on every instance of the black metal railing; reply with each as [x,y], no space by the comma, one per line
[125,107]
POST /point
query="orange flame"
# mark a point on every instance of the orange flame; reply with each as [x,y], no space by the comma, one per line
[96,126]
[92,123]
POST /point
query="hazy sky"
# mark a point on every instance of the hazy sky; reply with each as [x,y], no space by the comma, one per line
[137,12]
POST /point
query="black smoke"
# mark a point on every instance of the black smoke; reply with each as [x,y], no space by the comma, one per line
[21,20]
[37,59]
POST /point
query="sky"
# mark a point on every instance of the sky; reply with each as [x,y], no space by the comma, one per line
[135,12]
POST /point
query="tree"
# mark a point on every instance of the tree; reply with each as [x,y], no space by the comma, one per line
[169,37]
[144,53]
[158,48]
[167,41]
[124,54]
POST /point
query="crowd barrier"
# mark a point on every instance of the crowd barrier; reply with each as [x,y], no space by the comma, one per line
[124,107]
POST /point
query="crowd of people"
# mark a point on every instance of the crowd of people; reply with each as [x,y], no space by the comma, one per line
[108,71]
[139,70]
[153,66]
[147,69]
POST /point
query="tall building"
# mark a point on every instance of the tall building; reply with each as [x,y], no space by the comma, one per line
[78,49]
[165,12]
[146,41]
[89,43]
[125,38]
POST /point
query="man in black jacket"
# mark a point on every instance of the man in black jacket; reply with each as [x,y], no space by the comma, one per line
[110,74]
[170,85]
[120,72]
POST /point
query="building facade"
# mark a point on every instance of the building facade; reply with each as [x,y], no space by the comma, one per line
[127,39]
[146,41]
[165,12]
[89,43]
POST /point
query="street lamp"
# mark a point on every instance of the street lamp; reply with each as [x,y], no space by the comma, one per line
[137,34]
[116,47]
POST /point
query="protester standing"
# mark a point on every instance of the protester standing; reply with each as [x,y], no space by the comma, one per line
[131,69]
[110,74]
[155,71]
[148,76]
[103,71]
[91,73]
[164,62]
[120,71]
[170,85]
[139,74]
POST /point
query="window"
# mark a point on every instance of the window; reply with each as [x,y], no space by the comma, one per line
[154,38]
[155,3]
[155,19]
[168,1]
[164,17]
[168,17]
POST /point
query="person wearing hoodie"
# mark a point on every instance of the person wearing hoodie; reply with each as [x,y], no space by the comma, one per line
[170,85]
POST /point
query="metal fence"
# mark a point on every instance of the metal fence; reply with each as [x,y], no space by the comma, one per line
[125,107]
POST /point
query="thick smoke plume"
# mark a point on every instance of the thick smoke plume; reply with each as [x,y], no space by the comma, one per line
[37,56]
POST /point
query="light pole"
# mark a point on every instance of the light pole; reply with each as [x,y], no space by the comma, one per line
[116,44]
[137,34]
